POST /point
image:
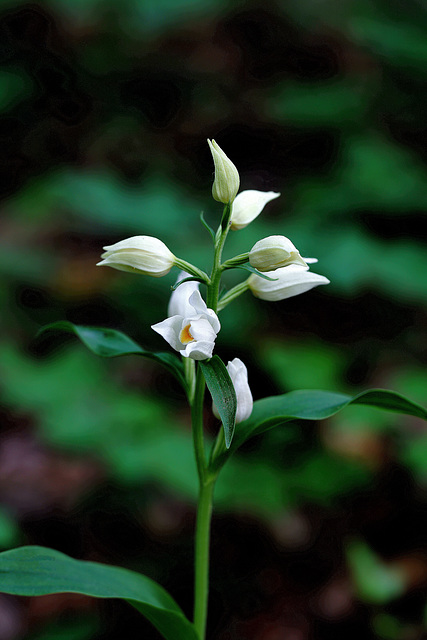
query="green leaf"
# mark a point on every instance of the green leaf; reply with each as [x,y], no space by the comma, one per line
[37,571]
[110,343]
[316,405]
[223,394]
[207,226]
[248,267]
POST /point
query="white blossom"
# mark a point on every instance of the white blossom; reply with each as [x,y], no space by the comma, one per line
[248,205]
[274,252]
[289,281]
[179,304]
[194,333]
[139,254]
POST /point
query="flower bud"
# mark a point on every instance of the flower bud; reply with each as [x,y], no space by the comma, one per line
[289,281]
[248,205]
[274,252]
[239,377]
[139,254]
[227,180]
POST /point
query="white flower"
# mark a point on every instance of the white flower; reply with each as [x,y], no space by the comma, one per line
[274,252]
[139,254]
[179,301]
[193,335]
[239,378]
[289,281]
[227,179]
[248,205]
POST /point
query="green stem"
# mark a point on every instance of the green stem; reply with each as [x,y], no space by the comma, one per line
[231,295]
[206,478]
[201,581]
[190,378]
[197,425]
[217,269]
[204,511]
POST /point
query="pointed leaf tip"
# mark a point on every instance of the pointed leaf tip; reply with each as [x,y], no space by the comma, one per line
[223,394]
[110,343]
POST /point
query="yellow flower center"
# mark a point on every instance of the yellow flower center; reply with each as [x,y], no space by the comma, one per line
[185,336]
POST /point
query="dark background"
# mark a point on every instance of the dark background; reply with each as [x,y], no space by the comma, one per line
[320,530]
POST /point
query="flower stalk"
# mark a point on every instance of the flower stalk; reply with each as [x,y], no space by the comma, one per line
[204,510]
[207,480]
[217,268]
[201,576]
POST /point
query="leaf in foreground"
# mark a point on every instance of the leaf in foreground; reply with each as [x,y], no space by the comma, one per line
[37,571]
[223,394]
[109,343]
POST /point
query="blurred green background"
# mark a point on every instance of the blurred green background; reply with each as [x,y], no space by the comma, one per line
[320,530]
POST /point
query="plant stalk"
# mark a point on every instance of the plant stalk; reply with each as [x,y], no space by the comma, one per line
[206,477]
[215,278]
[201,579]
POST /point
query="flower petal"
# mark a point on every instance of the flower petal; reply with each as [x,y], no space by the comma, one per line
[248,205]
[239,376]
[290,281]
[200,308]
[170,329]
[201,329]
[199,350]
[143,254]
[273,253]
[179,304]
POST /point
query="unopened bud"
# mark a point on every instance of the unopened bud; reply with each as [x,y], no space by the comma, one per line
[227,180]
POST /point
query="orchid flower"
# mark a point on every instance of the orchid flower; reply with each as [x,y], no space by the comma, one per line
[288,281]
[274,252]
[248,205]
[193,333]
[140,254]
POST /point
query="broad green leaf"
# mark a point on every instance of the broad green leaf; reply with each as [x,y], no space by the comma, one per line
[110,343]
[375,581]
[37,571]
[316,405]
[223,394]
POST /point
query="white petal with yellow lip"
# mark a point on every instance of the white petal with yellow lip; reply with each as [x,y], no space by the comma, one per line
[248,205]
[194,334]
[275,252]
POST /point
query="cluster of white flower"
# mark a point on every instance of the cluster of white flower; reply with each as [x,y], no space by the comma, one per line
[191,327]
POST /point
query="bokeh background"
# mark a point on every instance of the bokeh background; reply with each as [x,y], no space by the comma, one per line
[320,529]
